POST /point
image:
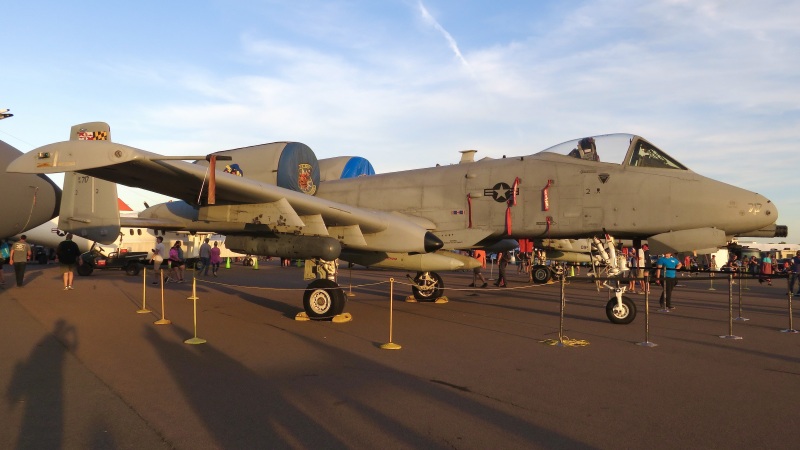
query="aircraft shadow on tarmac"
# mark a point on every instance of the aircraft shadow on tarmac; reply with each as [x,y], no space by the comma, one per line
[242,409]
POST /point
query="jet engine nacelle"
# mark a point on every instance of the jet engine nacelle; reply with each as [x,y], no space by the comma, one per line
[286,246]
[290,165]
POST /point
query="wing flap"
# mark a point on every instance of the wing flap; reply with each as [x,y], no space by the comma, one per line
[350,236]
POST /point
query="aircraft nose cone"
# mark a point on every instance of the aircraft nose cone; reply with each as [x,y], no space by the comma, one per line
[770,210]
[432,243]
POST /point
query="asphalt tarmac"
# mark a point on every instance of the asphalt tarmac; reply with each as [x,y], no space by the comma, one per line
[82,369]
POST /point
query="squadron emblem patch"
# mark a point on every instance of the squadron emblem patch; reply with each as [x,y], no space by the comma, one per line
[234,169]
[305,181]
[84,135]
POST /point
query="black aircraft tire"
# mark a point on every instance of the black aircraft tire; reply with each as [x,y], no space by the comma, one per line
[323,299]
[540,274]
[132,269]
[622,316]
[84,270]
[434,283]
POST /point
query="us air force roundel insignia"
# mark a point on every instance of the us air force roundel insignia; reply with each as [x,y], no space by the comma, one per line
[501,192]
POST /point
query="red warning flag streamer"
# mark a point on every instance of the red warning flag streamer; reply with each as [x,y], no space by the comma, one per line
[512,201]
[469,209]
[212,180]
[546,196]
[514,190]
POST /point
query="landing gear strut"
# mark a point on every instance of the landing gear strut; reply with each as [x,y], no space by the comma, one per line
[428,286]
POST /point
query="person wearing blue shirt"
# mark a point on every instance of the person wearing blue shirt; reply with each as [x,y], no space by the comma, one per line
[669,264]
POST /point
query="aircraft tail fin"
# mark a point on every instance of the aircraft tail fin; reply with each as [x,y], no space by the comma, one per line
[90,131]
[89,206]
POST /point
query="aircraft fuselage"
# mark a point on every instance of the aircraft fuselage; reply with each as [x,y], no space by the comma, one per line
[558,196]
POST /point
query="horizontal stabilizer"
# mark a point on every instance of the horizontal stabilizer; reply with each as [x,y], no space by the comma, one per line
[89,208]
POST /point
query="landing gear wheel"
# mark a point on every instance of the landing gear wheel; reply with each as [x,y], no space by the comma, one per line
[430,287]
[84,270]
[540,274]
[132,269]
[621,315]
[323,299]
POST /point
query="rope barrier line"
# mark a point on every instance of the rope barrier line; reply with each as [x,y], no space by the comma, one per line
[530,286]
[476,288]
[279,289]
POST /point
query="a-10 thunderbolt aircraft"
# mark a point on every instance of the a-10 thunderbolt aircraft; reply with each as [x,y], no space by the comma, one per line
[269,201]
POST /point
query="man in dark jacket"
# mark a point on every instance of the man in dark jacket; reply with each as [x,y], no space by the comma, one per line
[68,253]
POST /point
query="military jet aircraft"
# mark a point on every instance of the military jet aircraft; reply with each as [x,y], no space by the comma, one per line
[269,201]
[27,201]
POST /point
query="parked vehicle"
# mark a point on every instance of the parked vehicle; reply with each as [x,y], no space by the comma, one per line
[97,258]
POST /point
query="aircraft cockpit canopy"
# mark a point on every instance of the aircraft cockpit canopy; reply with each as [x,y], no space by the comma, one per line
[624,149]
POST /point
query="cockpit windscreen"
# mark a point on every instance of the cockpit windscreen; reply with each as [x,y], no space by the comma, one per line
[616,148]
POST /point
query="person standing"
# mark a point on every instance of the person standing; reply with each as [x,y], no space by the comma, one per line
[633,264]
[480,255]
[502,263]
[215,259]
[669,264]
[795,268]
[68,253]
[20,254]
[5,254]
[645,265]
[176,262]
[205,256]
[158,258]
[766,270]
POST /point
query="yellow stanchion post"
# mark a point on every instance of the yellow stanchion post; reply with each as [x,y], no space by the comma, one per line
[730,334]
[350,289]
[144,309]
[194,289]
[791,327]
[391,345]
[163,320]
[561,315]
[228,263]
[195,340]
[739,318]
[647,342]
[255,263]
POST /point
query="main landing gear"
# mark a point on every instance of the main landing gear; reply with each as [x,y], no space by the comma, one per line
[323,299]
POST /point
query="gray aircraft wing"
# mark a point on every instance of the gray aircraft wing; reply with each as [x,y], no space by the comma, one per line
[239,199]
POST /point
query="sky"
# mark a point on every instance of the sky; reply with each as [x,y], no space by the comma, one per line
[409,83]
